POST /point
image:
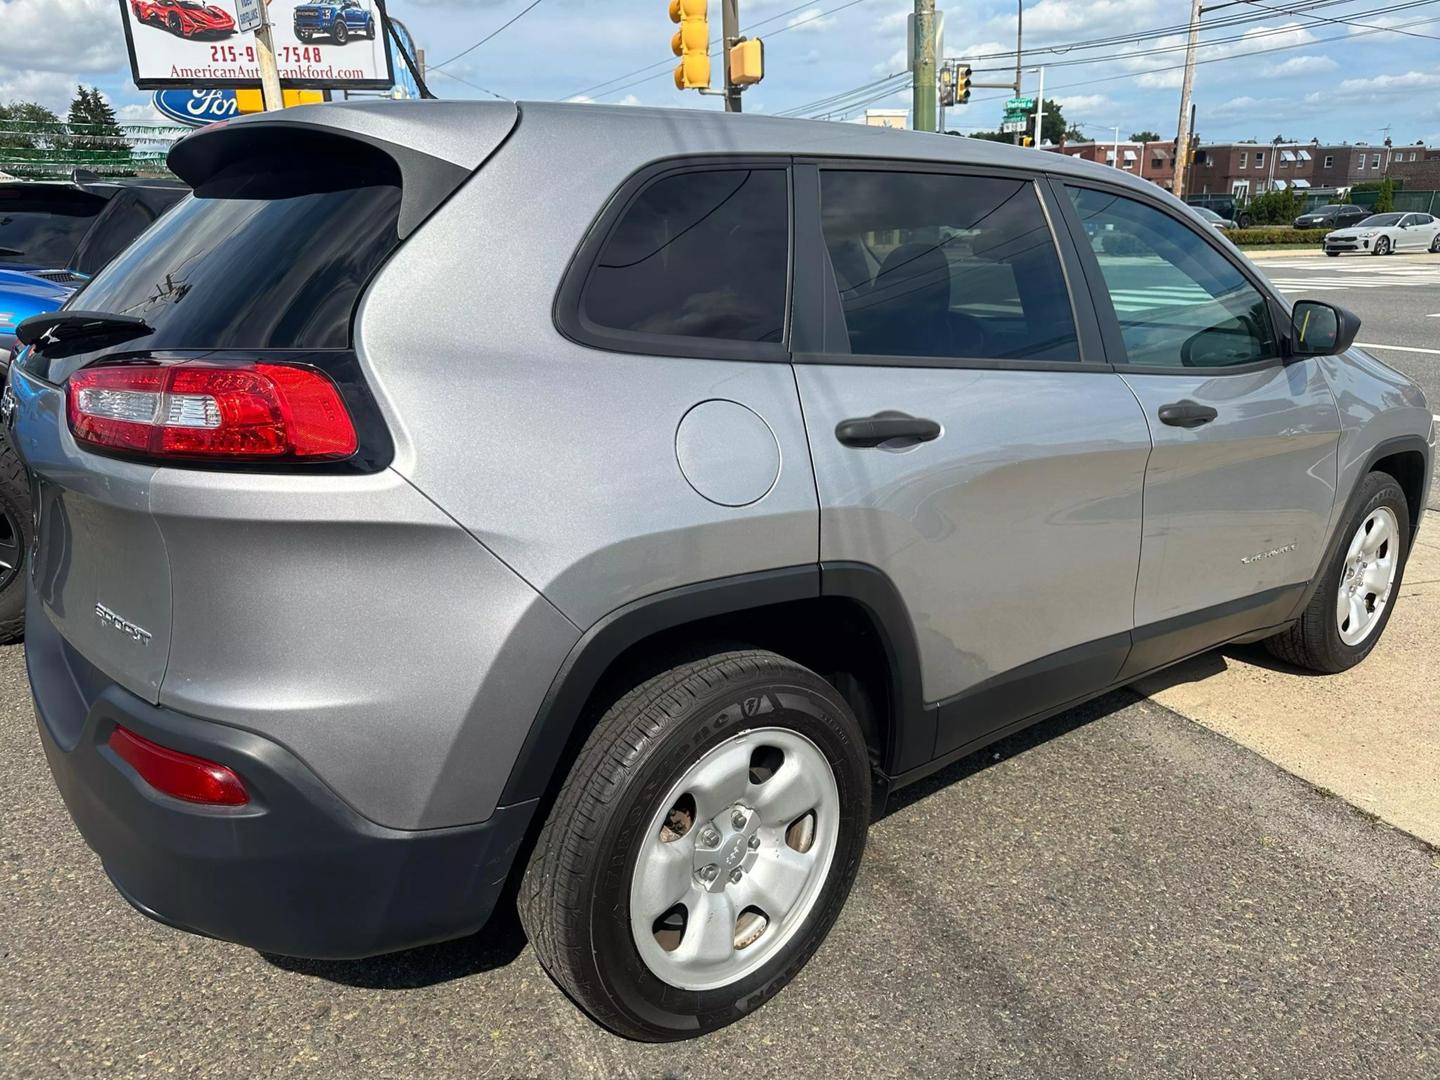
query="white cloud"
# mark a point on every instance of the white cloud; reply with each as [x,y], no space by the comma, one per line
[1298,65]
[144,111]
[1075,106]
[811,20]
[70,36]
[48,88]
[1411,80]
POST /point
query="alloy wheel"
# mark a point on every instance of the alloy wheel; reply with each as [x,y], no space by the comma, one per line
[11,544]
[1368,576]
[734,859]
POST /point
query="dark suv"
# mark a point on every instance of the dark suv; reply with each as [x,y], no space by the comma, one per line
[1339,216]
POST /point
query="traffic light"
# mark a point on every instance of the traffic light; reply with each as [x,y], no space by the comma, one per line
[747,62]
[1027,140]
[962,84]
[947,86]
[691,43]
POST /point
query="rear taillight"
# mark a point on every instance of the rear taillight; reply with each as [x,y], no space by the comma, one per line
[182,776]
[254,411]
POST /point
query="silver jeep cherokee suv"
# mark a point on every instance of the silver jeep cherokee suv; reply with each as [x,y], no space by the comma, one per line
[619,503]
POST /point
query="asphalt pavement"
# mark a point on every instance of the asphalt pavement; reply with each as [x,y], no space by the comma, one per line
[1120,892]
[1117,893]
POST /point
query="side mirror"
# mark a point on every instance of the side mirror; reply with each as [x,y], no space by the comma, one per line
[1318,329]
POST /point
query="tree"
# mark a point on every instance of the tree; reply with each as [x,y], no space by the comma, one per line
[1385,201]
[96,141]
[27,132]
[1144,136]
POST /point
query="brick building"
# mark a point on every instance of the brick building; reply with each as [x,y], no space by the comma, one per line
[1153,161]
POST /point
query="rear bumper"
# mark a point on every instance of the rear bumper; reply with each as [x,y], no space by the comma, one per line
[295,872]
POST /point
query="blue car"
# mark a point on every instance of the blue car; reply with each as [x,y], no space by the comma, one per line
[339,20]
[53,238]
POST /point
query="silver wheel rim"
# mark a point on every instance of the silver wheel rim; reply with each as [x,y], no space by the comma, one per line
[1367,579]
[734,859]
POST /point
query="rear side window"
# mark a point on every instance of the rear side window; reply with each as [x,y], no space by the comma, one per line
[700,256]
[265,254]
[946,266]
[42,226]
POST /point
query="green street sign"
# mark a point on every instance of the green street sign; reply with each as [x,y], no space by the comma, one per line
[1019,104]
[1009,117]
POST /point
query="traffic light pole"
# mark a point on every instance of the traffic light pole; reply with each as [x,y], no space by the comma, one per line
[730,37]
[1019,54]
[925,86]
[1187,86]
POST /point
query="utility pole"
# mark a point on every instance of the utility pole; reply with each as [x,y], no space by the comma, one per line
[270,92]
[1019,52]
[1182,140]
[730,37]
[923,70]
[1040,109]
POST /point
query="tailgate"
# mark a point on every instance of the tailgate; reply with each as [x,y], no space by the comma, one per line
[99,573]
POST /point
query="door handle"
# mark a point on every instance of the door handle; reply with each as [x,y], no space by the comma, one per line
[1186,414]
[868,431]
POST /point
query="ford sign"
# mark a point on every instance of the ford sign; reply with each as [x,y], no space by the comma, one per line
[196,107]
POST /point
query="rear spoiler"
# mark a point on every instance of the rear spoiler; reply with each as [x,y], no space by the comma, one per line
[436,145]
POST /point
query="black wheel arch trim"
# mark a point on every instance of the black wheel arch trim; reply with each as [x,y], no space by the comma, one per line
[1384,449]
[911,733]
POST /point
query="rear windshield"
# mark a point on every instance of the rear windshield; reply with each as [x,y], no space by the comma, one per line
[43,226]
[266,254]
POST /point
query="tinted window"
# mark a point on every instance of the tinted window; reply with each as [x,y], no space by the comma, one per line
[43,226]
[946,266]
[112,234]
[1378,221]
[266,254]
[700,254]
[1180,303]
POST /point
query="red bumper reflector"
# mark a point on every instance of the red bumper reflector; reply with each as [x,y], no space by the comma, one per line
[179,775]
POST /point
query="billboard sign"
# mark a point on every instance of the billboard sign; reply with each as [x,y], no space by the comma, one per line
[319,44]
[196,107]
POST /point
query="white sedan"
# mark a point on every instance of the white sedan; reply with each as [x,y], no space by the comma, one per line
[1381,234]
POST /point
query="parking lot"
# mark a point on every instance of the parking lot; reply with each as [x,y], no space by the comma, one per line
[1122,891]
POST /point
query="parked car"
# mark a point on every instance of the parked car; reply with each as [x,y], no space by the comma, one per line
[54,237]
[339,20]
[1213,218]
[1224,205]
[185,18]
[746,502]
[1337,216]
[1384,234]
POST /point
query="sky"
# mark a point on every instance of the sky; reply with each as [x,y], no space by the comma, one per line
[1298,68]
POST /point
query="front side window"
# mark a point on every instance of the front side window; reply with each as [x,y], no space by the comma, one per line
[701,254]
[936,265]
[1179,302]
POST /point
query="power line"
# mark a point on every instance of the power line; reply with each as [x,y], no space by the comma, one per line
[498,30]
[814,17]
[1349,22]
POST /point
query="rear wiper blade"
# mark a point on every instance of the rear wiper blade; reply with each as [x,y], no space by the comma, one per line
[69,327]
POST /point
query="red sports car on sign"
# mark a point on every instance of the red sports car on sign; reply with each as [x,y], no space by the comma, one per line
[187,18]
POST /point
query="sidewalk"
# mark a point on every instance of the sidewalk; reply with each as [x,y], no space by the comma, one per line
[1370,736]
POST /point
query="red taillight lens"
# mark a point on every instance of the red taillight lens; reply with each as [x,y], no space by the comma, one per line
[179,775]
[243,411]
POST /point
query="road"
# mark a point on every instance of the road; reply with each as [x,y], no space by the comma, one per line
[1120,892]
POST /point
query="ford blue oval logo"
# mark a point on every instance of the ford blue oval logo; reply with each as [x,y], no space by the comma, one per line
[196,107]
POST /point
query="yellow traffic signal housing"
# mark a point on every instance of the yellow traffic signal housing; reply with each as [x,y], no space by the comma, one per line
[1027,140]
[747,62]
[962,84]
[691,43]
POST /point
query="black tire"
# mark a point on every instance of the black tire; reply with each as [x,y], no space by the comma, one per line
[341,33]
[16,533]
[173,23]
[370,30]
[1243,221]
[303,35]
[1314,642]
[575,897]
[1435,245]
[1333,254]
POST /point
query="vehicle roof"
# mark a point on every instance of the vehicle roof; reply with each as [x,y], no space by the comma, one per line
[444,128]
